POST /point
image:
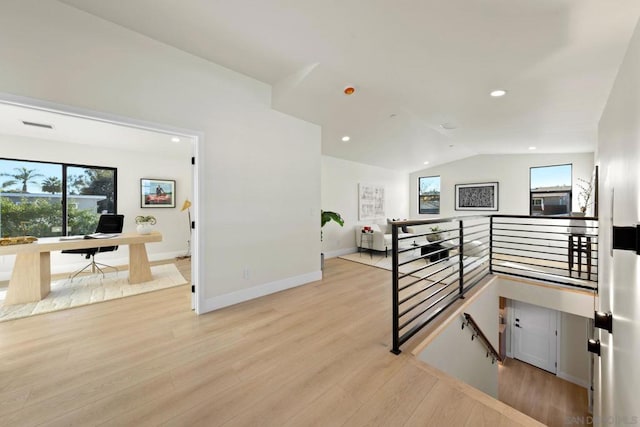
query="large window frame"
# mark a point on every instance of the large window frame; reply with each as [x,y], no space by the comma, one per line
[423,196]
[538,199]
[64,195]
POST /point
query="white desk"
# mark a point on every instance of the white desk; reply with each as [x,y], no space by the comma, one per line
[31,276]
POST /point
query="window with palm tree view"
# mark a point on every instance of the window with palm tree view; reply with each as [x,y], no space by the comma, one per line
[53,199]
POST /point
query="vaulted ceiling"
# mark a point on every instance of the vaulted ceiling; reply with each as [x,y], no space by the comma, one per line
[422,69]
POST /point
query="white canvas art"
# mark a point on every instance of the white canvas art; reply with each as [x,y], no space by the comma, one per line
[370,202]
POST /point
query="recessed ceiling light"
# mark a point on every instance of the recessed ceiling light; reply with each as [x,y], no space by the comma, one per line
[448,126]
[426,163]
[349,90]
[498,93]
[345,138]
[532,148]
[175,139]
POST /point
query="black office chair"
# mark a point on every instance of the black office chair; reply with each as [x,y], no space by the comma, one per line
[108,223]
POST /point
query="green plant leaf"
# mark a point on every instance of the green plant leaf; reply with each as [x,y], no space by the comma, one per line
[327,216]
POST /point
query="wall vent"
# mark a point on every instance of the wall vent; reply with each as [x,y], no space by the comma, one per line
[38,125]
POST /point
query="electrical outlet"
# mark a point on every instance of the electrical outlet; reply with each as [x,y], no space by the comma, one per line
[246,273]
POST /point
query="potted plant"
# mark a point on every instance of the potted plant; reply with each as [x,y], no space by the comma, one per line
[436,236]
[585,190]
[326,217]
[145,224]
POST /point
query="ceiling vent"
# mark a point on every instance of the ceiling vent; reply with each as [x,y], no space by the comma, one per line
[38,125]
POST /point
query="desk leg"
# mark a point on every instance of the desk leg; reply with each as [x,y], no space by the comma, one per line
[139,268]
[31,278]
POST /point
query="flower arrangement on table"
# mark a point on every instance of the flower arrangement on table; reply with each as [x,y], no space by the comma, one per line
[145,223]
[146,219]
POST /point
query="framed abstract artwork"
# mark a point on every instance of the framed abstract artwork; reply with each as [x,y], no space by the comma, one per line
[370,202]
[477,197]
[157,193]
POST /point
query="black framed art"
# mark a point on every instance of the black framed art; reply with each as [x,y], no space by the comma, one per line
[477,197]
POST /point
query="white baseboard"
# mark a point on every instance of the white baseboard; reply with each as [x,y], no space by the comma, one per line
[340,252]
[242,295]
[579,381]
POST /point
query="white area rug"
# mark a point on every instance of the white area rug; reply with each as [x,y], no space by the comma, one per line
[67,293]
[415,266]
[379,260]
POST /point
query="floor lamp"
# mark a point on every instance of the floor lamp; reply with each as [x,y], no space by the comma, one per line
[186,206]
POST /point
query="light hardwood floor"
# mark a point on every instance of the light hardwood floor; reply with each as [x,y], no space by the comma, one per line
[314,355]
[541,395]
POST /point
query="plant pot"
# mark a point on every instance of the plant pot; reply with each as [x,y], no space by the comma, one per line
[144,228]
[577,225]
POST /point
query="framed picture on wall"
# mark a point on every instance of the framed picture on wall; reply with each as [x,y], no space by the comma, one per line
[157,193]
[370,202]
[477,197]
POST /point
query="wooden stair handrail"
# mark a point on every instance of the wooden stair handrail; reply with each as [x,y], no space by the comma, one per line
[469,321]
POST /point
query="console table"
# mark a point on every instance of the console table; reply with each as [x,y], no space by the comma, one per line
[434,252]
[31,275]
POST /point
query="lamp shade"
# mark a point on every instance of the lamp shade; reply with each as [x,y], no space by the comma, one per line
[186,205]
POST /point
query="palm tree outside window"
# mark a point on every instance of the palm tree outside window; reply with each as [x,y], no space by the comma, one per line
[45,199]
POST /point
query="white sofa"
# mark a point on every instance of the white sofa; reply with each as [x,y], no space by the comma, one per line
[380,239]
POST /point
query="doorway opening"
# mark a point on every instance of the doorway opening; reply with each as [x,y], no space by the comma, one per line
[139,150]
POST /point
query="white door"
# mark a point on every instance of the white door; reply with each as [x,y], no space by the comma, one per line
[535,335]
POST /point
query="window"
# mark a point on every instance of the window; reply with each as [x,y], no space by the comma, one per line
[32,200]
[429,195]
[550,190]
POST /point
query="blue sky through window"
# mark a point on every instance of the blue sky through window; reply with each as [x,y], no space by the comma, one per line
[551,176]
[429,184]
[45,169]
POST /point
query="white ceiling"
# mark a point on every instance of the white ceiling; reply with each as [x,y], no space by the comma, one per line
[76,130]
[416,64]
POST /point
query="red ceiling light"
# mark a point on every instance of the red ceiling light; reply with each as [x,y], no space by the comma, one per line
[349,90]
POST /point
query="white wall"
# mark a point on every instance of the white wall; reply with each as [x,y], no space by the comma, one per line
[260,183]
[511,171]
[131,165]
[573,362]
[340,179]
[579,303]
[616,372]
[453,352]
